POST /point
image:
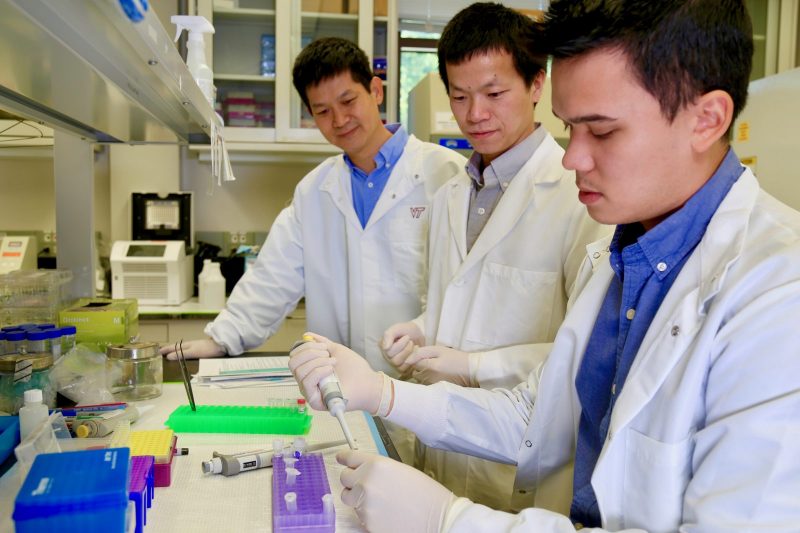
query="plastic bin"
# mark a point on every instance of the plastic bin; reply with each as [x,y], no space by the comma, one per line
[9,436]
[159,443]
[240,419]
[141,488]
[87,490]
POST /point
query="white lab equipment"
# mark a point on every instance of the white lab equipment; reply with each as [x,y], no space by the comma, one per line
[765,134]
[154,272]
[195,55]
[17,252]
[211,286]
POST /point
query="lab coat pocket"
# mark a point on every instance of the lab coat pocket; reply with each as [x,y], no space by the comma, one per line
[511,306]
[656,475]
[407,242]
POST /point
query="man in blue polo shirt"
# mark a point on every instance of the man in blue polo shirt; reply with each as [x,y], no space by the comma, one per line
[353,240]
[671,385]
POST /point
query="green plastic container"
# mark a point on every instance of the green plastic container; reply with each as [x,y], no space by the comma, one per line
[240,419]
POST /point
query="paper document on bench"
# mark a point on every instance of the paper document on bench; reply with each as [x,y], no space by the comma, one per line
[244,371]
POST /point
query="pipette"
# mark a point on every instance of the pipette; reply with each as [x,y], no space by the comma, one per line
[332,398]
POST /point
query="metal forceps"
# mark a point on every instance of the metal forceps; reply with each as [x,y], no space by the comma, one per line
[185,373]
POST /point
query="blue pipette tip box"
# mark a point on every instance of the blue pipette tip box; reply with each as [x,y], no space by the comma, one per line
[310,485]
[87,490]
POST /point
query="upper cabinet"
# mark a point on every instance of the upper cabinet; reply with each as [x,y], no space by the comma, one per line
[253,50]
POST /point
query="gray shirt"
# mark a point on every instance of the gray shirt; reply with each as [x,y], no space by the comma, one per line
[488,188]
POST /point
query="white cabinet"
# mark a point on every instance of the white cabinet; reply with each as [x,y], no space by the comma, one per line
[260,106]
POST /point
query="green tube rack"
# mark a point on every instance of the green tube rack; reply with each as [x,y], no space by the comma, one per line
[240,419]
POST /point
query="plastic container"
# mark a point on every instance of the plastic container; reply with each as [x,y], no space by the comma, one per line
[9,436]
[38,340]
[95,500]
[311,508]
[141,488]
[16,342]
[21,372]
[195,52]
[211,286]
[160,444]
[67,338]
[32,414]
[239,419]
[135,370]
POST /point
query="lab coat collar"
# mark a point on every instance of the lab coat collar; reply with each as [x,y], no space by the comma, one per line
[541,168]
[681,314]
[404,178]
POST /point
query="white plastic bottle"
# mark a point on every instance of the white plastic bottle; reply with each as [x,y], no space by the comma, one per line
[211,286]
[32,414]
[196,52]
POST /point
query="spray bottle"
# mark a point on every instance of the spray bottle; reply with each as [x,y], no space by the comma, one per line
[196,54]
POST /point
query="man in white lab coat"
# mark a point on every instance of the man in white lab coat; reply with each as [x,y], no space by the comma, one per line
[672,383]
[353,240]
[507,237]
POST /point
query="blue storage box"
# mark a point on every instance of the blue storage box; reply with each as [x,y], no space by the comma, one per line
[9,436]
[84,491]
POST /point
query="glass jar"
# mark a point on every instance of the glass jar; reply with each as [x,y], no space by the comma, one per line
[134,371]
[21,372]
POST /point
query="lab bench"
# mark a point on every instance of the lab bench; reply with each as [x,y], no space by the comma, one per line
[202,502]
[171,323]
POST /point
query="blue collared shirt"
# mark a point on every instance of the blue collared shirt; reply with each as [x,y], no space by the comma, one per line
[367,188]
[645,267]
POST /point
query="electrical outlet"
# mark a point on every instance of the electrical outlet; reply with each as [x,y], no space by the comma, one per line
[234,238]
[243,237]
[48,236]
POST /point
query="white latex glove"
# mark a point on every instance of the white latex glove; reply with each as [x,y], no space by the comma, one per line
[431,364]
[196,349]
[398,343]
[310,362]
[390,496]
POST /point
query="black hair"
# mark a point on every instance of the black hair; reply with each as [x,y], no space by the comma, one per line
[490,27]
[678,49]
[328,57]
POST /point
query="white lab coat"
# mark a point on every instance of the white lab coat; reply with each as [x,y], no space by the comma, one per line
[510,289]
[705,435]
[356,281]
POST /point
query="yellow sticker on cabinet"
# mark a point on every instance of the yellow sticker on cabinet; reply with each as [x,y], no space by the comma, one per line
[743,132]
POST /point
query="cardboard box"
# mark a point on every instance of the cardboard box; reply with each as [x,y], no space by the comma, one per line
[102,320]
[380,7]
[324,6]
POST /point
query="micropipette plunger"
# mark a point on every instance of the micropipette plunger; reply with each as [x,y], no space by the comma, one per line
[332,398]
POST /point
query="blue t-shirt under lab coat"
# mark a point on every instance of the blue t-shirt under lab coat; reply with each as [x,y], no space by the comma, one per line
[646,265]
[367,188]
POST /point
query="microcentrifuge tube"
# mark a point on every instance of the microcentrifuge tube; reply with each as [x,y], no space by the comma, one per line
[299,446]
[291,475]
[277,447]
[327,504]
[291,501]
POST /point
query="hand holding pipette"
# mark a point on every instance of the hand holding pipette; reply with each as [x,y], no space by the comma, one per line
[312,362]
